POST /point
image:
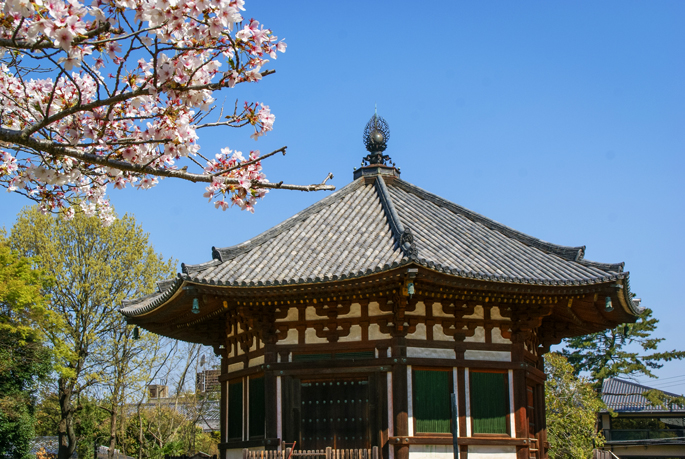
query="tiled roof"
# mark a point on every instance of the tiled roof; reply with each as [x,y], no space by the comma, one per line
[626,396]
[372,226]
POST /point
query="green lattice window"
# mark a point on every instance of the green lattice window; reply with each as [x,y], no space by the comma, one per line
[257,407]
[431,405]
[235,410]
[489,402]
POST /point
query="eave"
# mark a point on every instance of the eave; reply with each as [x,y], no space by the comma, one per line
[171,316]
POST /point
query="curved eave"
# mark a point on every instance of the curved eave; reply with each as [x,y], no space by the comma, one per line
[142,306]
[146,305]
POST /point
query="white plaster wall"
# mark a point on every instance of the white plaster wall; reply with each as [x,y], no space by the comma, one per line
[439,335]
[310,313]
[420,332]
[496,315]
[253,346]
[419,311]
[237,453]
[291,317]
[431,452]
[438,312]
[355,334]
[290,338]
[256,361]
[355,311]
[477,313]
[492,452]
[235,367]
[311,338]
[478,336]
[497,337]
[375,332]
[374,309]
[494,356]
[430,353]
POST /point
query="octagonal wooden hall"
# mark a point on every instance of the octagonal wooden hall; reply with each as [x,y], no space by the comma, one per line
[351,323]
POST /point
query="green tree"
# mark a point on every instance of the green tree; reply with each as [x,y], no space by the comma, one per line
[572,407]
[628,350]
[94,267]
[90,422]
[24,360]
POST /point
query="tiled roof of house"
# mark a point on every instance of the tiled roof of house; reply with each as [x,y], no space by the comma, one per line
[626,396]
[371,226]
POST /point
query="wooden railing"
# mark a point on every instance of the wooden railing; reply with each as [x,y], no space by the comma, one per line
[600,454]
[328,453]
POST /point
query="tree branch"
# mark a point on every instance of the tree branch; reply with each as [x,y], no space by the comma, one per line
[241,165]
[17,137]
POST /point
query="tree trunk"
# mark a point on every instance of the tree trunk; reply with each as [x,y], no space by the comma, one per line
[112,433]
[140,434]
[65,429]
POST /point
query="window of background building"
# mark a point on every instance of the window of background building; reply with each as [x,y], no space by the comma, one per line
[647,428]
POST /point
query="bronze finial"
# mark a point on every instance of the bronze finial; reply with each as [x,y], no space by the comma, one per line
[376,136]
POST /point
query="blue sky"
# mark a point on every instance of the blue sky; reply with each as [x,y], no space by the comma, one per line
[564,120]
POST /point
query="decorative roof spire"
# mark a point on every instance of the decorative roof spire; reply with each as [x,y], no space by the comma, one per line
[376,136]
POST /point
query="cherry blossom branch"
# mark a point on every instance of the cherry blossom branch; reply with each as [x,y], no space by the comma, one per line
[61,150]
[256,160]
[70,129]
[121,97]
[43,43]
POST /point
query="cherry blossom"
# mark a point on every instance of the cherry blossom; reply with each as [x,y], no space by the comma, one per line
[115,92]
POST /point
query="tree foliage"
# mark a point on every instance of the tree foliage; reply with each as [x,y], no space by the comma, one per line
[627,350]
[115,92]
[572,407]
[24,360]
[93,268]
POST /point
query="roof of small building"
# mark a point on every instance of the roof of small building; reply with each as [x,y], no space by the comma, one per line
[626,396]
[376,224]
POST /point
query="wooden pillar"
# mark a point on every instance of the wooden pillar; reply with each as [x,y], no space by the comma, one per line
[223,414]
[270,389]
[399,393]
[542,421]
[520,393]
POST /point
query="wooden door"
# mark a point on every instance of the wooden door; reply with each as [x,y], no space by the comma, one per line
[335,413]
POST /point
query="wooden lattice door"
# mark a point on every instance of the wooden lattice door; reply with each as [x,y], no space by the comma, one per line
[335,413]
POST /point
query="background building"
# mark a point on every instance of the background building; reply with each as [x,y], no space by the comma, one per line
[640,430]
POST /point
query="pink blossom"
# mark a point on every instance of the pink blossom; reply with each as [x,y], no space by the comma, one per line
[154,129]
[113,48]
[63,38]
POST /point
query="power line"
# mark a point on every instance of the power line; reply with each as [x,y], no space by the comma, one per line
[663,379]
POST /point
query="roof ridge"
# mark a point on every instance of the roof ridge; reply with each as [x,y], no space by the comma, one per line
[404,238]
[226,253]
[632,383]
[615,267]
[565,252]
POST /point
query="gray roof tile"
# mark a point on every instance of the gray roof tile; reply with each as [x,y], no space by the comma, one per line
[626,396]
[371,227]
